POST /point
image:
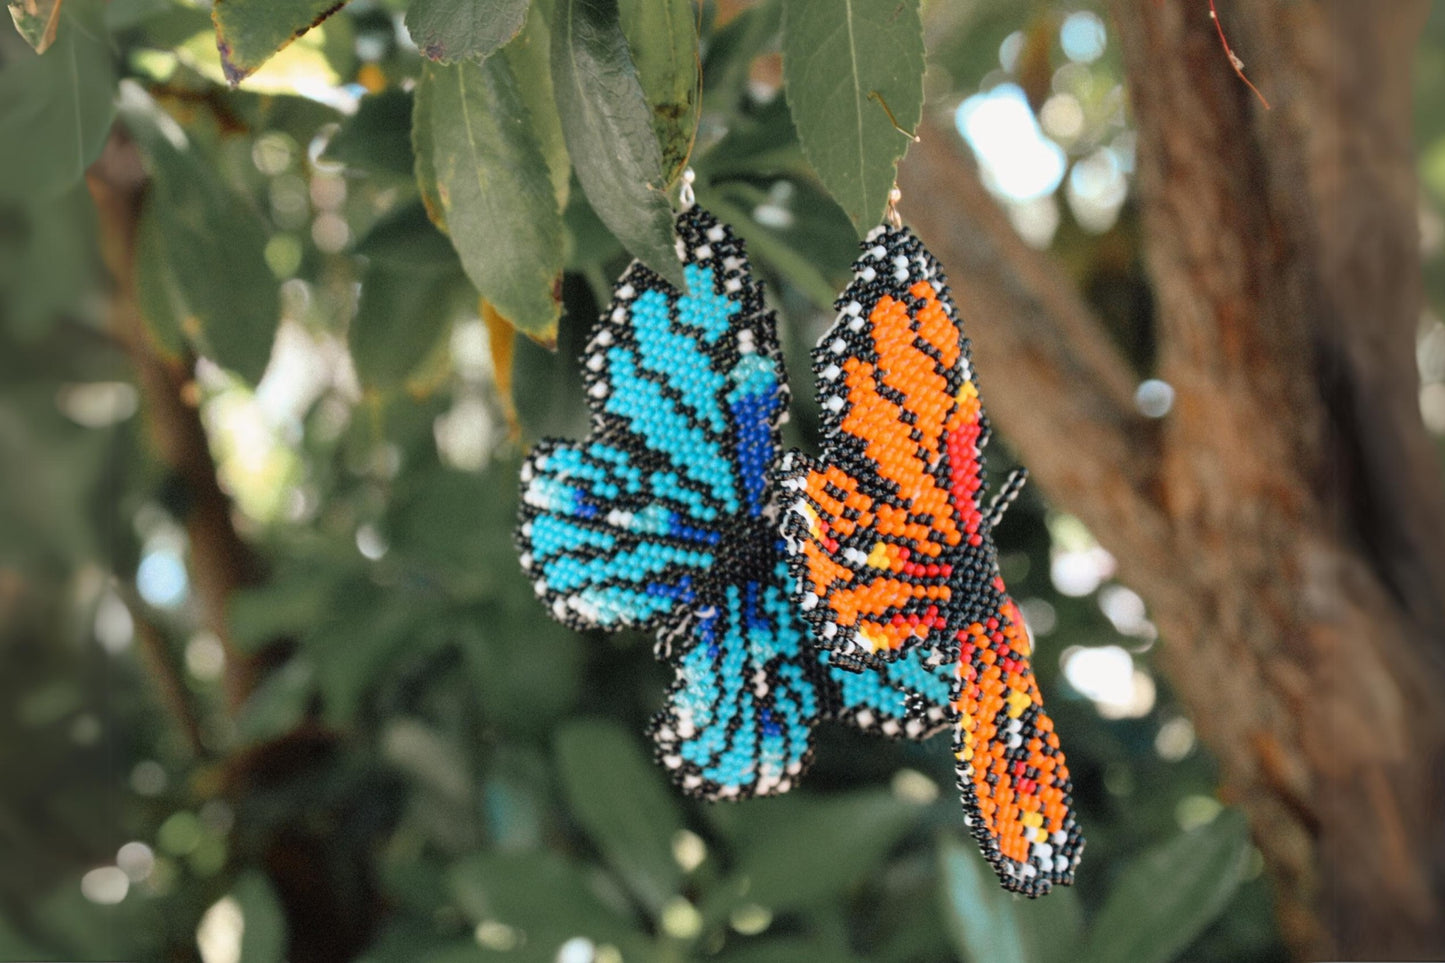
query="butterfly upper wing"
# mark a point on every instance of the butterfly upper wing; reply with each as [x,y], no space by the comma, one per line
[609,539]
[618,530]
[664,518]
[872,528]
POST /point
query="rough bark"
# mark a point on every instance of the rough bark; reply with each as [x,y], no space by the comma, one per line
[1285,520]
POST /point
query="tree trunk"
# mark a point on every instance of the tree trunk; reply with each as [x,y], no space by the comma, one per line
[1286,520]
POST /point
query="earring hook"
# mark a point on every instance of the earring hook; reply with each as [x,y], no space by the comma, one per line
[685,195]
[894,218]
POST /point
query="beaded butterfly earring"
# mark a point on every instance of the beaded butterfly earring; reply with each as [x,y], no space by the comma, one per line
[666,519]
[893,555]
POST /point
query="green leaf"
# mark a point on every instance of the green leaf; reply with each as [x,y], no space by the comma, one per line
[285,606]
[399,318]
[56,109]
[589,243]
[421,149]
[352,646]
[212,241]
[48,261]
[249,32]
[450,30]
[157,294]
[1052,926]
[608,127]
[662,35]
[840,57]
[263,939]
[787,949]
[548,898]
[14,946]
[523,689]
[1169,895]
[279,704]
[761,141]
[36,20]
[495,191]
[531,58]
[798,851]
[422,527]
[126,14]
[979,913]
[375,138]
[318,56]
[731,51]
[618,796]
[406,238]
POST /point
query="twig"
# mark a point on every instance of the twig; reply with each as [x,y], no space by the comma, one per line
[1234,60]
[875,95]
[220,560]
[158,656]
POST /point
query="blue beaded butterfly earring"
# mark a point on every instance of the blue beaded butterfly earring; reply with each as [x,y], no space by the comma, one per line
[892,548]
[666,519]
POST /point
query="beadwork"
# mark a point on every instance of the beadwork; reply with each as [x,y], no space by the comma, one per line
[666,519]
[893,555]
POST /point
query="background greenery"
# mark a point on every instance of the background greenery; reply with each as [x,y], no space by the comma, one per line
[427,768]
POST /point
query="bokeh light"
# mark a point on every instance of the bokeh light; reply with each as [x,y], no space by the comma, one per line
[1083,36]
[1017,160]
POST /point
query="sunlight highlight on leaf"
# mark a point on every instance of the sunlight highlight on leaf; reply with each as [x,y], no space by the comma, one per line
[250,32]
[36,20]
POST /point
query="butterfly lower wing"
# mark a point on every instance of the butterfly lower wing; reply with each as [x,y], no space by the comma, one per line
[872,530]
[739,717]
[1011,772]
[910,697]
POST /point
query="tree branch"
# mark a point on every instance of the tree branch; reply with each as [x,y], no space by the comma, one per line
[164,668]
[1283,252]
[1350,120]
[1054,381]
[1283,521]
[219,559]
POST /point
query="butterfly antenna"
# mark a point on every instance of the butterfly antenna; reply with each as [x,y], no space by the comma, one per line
[1006,495]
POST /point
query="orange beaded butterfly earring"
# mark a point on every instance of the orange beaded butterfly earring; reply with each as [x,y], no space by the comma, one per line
[890,544]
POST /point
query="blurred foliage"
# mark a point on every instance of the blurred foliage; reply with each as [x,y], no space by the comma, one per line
[449,774]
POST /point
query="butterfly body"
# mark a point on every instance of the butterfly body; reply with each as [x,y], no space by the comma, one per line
[892,549]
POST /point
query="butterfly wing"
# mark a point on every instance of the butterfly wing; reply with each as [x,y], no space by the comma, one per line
[618,530]
[664,518]
[738,719]
[873,527]
[1011,772]
[901,478]
[910,697]
[610,540]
